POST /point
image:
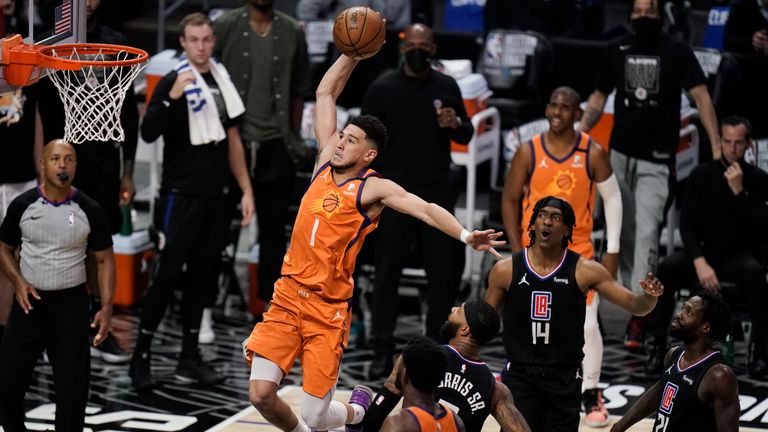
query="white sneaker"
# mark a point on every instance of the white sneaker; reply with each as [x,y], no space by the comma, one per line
[206,328]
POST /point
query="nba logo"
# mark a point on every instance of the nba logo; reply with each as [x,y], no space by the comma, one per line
[540,301]
[668,398]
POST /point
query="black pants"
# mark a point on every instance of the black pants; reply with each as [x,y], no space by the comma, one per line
[59,324]
[195,230]
[548,398]
[272,198]
[443,260]
[677,271]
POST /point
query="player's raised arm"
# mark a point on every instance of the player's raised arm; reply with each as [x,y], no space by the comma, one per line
[327,93]
[388,193]
[593,275]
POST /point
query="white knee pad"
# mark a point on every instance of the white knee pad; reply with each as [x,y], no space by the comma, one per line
[593,346]
[323,414]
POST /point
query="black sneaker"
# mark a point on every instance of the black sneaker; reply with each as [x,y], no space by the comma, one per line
[140,371]
[110,351]
[194,370]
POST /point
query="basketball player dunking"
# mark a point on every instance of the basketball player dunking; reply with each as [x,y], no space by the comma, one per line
[542,291]
[309,314]
[697,391]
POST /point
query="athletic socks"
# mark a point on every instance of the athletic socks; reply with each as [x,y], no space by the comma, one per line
[358,413]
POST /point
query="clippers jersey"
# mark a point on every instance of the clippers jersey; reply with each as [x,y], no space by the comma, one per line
[329,232]
[467,389]
[544,314]
[428,422]
[680,408]
[567,178]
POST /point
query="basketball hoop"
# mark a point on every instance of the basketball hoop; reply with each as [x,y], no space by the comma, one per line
[92,80]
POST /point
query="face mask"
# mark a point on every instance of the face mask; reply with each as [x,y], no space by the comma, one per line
[418,60]
[646,29]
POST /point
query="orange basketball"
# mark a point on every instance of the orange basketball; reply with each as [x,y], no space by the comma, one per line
[359,32]
[330,202]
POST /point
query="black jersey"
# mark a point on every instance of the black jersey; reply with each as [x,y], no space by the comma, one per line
[467,389]
[544,314]
[680,408]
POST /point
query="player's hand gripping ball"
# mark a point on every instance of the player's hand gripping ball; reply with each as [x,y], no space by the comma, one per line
[359,32]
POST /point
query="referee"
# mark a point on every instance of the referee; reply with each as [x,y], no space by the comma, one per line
[51,227]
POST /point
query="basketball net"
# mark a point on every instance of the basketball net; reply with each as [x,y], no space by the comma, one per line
[93,95]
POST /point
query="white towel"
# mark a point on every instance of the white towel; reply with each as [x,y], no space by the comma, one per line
[204,123]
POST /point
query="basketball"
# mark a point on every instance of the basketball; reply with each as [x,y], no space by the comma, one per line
[330,202]
[359,32]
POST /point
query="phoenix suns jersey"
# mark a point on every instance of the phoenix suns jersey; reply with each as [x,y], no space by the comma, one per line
[429,422]
[329,231]
[567,178]
[680,408]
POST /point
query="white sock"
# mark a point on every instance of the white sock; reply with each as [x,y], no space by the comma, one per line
[301,427]
[358,413]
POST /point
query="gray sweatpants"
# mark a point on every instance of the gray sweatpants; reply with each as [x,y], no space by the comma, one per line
[645,188]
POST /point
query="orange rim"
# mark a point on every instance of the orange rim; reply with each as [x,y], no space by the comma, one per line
[61,61]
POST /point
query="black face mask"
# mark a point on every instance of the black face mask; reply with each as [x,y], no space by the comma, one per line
[418,60]
[646,30]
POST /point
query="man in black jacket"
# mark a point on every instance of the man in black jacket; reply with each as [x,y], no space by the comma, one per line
[195,108]
[746,31]
[721,223]
[423,111]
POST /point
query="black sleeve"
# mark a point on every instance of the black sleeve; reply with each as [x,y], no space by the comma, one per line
[100,237]
[464,132]
[160,109]
[691,212]
[382,404]
[129,118]
[10,230]
[606,81]
[692,73]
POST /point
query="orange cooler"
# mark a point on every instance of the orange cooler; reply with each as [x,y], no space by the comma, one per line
[133,262]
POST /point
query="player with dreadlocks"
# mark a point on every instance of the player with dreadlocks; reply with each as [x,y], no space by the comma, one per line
[541,293]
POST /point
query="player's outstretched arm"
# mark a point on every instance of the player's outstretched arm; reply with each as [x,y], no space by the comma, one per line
[645,406]
[327,93]
[390,194]
[721,387]
[505,412]
[591,274]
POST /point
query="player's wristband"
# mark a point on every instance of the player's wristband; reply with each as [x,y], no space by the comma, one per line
[464,235]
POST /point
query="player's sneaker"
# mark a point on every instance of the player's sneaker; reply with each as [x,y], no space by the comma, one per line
[595,413]
[206,335]
[110,351]
[140,372]
[192,369]
[362,396]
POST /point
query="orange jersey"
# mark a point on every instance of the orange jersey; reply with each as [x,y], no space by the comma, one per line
[329,232]
[428,422]
[567,178]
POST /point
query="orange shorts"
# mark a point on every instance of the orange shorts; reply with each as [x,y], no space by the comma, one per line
[300,324]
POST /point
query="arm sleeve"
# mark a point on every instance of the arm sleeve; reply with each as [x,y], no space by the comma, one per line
[384,403]
[463,133]
[609,191]
[690,223]
[10,230]
[160,109]
[99,237]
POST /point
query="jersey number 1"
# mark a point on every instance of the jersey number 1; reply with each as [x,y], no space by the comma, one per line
[540,330]
[314,232]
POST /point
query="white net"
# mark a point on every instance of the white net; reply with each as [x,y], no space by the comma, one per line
[93,95]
